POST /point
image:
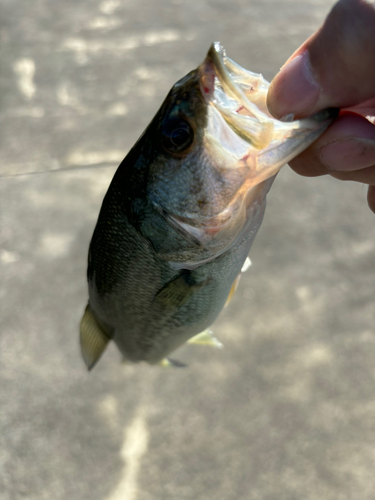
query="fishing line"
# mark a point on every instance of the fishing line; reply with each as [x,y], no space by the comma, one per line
[62,169]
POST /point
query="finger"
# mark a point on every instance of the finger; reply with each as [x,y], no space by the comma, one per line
[334,68]
[365,175]
[366,109]
[371,197]
[347,146]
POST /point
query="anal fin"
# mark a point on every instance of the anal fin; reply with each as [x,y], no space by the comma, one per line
[92,338]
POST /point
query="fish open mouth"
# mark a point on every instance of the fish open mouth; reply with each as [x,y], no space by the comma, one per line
[237,100]
[239,96]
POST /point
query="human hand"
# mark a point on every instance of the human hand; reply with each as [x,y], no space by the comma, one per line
[335,67]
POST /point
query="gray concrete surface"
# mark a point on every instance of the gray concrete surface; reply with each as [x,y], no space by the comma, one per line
[287,410]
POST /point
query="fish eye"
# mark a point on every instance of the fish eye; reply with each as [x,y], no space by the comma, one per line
[177,135]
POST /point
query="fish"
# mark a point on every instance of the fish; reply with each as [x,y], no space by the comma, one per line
[178,220]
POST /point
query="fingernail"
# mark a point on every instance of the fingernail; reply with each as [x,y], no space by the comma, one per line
[294,89]
[348,154]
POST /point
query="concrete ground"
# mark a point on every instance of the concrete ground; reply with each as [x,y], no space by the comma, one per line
[286,411]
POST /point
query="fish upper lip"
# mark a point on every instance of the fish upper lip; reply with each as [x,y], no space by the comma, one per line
[226,70]
[231,90]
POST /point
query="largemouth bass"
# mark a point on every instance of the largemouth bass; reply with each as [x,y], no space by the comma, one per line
[183,209]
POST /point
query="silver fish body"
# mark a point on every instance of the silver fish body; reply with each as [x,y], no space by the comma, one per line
[183,209]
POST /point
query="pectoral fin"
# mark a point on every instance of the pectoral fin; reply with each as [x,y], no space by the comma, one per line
[93,339]
[175,293]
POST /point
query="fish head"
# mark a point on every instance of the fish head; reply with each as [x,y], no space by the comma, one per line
[216,152]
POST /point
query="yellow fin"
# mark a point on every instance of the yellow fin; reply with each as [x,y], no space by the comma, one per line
[93,339]
[233,289]
[205,338]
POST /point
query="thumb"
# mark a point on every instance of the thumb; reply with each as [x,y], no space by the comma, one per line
[333,68]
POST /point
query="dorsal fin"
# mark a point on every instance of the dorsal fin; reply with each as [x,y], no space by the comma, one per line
[93,339]
[233,289]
